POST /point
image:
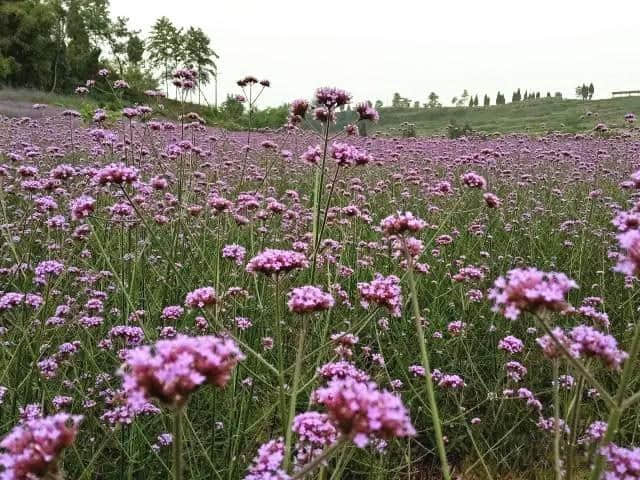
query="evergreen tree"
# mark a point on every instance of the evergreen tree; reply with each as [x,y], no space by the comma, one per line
[197,51]
[433,100]
[591,90]
[165,47]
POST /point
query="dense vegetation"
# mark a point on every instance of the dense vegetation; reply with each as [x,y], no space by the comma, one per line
[173,296]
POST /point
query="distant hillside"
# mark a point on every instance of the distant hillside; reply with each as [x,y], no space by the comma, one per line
[531,116]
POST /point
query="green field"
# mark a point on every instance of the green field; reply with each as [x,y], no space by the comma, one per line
[532,116]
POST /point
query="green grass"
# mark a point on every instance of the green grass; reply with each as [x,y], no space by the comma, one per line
[534,116]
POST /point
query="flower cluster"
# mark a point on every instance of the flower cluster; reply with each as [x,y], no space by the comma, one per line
[363,412]
[400,223]
[30,450]
[623,463]
[315,432]
[274,262]
[172,369]
[530,289]
[309,299]
[384,291]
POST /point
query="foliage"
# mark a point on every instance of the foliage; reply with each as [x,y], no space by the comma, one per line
[456,131]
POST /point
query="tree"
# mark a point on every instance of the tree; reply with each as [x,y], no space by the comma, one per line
[165,47]
[27,43]
[475,101]
[416,104]
[433,100]
[487,101]
[454,101]
[378,104]
[117,38]
[396,101]
[591,90]
[463,99]
[135,50]
[197,51]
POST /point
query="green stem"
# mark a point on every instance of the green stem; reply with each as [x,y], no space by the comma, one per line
[294,391]
[281,389]
[574,427]
[578,365]
[317,199]
[557,462]
[433,406]
[311,466]
[177,443]
[616,412]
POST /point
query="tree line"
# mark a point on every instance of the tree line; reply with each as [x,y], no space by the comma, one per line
[467,100]
[57,45]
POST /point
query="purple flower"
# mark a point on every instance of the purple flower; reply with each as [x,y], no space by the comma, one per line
[529,289]
[363,412]
[201,298]
[384,291]
[315,433]
[629,264]
[234,252]
[173,369]
[473,180]
[309,299]
[117,173]
[402,222]
[267,465]
[274,262]
[622,463]
[31,449]
[511,344]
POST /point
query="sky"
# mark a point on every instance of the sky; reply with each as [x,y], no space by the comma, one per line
[375,48]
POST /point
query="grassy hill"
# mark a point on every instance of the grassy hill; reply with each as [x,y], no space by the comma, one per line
[531,116]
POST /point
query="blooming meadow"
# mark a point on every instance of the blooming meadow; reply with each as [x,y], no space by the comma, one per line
[180,301]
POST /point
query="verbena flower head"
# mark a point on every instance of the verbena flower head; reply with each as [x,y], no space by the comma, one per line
[234,252]
[363,412]
[346,155]
[82,207]
[367,112]
[309,299]
[622,463]
[332,97]
[629,264]
[201,298]
[117,173]
[274,262]
[587,341]
[299,108]
[529,289]
[492,200]
[31,449]
[342,370]
[384,291]
[172,369]
[511,344]
[315,433]
[473,180]
[267,465]
[312,155]
[402,222]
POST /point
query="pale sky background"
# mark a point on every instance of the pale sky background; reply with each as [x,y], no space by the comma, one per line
[374,48]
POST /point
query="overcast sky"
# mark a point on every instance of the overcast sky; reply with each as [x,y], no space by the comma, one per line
[375,48]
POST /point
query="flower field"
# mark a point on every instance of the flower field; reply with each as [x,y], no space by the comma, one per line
[180,301]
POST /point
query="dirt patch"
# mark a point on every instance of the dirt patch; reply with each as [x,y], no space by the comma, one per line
[17,108]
